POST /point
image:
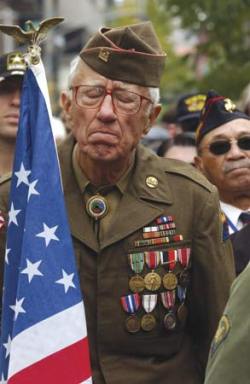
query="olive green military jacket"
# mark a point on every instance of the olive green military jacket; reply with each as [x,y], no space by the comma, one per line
[162,355]
[229,356]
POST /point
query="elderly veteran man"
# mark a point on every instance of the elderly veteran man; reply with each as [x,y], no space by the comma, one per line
[223,143]
[154,270]
[229,356]
[12,69]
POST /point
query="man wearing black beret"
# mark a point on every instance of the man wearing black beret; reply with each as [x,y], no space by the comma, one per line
[154,270]
[223,143]
[12,69]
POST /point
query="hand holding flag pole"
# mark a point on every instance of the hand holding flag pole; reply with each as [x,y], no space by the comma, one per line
[43,334]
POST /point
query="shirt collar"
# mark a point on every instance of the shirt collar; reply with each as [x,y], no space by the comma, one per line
[232,213]
[83,181]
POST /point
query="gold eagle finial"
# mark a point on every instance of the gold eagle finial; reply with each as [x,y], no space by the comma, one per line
[33,36]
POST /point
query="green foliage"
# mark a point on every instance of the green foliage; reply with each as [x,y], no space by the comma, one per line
[224,28]
[223,31]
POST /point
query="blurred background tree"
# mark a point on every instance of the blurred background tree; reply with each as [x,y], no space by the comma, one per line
[207,41]
[222,29]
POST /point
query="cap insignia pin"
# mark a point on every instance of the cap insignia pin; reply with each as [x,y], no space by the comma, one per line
[229,105]
[15,61]
[104,55]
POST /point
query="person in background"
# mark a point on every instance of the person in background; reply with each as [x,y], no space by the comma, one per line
[154,270]
[12,69]
[155,137]
[181,147]
[188,111]
[223,146]
[169,122]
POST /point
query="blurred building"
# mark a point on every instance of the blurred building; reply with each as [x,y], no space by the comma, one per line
[81,19]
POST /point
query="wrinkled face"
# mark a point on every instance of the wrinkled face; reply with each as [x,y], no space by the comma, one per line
[230,171]
[10,90]
[102,133]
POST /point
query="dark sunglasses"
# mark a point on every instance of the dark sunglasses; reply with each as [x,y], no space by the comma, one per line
[221,147]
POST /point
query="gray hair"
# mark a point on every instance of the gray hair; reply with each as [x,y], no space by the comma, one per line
[72,68]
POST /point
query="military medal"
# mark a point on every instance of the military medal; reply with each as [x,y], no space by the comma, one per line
[160,227]
[184,256]
[178,268]
[131,304]
[132,324]
[97,207]
[154,234]
[182,313]
[152,279]
[136,262]
[157,241]
[168,299]
[170,321]
[148,321]
[172,258]
[136,283]
[181,293]
[170,281]
[164,219]
[184,278]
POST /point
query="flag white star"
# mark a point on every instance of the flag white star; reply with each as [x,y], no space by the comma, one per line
[13,214]
[3,381]
[17,308]
[22,176]
[66,280]
[32,269]
[32,190]
[48,234]
[7,251]
[7,346]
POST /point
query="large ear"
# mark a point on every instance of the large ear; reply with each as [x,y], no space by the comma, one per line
[65,104]
[154,114]
[199,163]
[65,101]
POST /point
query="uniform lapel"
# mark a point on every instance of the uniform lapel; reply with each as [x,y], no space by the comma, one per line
[141,204]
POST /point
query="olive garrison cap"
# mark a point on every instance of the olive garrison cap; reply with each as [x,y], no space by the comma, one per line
[218,110]
[132,54]
[12,64]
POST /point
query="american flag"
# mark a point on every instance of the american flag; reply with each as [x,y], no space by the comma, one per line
[43,336]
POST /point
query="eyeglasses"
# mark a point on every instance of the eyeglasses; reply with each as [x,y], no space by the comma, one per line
[124,102]
[220,147]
